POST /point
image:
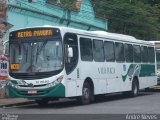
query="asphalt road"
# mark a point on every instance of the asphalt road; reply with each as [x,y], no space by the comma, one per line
[146,103]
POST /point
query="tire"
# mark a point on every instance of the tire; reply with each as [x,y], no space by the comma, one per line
[42,102]
[86,94]
[135,88]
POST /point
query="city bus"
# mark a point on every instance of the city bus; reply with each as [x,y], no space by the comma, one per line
[157,49]
[48,62]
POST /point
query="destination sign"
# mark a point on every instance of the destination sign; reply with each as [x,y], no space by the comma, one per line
[35,33]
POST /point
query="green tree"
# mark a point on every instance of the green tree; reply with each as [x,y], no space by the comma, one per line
[140,18]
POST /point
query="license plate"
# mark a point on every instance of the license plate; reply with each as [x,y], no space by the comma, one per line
[32,91]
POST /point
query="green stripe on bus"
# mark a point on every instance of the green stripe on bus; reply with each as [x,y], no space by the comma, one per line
[140,70]
[147,70]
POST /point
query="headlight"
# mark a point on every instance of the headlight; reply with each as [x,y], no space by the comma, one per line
[12,85]
[57,81]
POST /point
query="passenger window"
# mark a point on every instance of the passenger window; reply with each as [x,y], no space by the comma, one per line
[144,54]
[119,52]
[86,49]
[129,52]
[98,51]
[136,53]
[151,54]
[109,51]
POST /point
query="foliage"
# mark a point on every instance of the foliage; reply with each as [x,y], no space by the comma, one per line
[139,18]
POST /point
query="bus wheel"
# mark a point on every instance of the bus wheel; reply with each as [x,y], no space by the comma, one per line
[86,94]
[42,102]
[135,88]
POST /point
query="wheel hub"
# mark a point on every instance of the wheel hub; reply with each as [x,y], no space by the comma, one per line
[86,92]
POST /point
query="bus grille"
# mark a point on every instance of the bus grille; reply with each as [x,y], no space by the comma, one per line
[32,76]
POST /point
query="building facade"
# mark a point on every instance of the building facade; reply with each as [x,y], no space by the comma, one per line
[28,13]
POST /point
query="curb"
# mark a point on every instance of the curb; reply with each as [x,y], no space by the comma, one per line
[17,104]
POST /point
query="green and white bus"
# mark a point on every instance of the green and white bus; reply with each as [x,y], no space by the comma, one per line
[51,62]
[157,49]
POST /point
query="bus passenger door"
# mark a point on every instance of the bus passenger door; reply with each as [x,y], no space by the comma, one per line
[71,61]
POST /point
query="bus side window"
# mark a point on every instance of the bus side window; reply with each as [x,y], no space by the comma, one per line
[152,54]
[136,53]
[98,50]
[86,49]
[158,55]
[119,52]
[144,54]
[70,41]
[109,51]
[129,53]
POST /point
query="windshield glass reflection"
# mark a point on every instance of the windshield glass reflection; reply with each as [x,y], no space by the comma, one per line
[42,56]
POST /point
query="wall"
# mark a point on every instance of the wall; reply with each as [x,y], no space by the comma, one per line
[21,14]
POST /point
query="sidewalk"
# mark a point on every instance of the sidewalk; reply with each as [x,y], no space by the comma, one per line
[14,101]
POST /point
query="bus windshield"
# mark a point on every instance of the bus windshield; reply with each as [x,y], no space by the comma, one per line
[36,56]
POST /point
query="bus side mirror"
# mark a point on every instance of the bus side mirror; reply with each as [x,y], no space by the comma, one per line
[70,52]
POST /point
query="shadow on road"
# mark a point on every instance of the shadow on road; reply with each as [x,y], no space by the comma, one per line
[153,89]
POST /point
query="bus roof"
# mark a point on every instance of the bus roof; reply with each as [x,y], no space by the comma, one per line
[100,34]
[108,35]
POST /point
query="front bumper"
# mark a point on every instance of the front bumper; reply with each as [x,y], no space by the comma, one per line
[55,91]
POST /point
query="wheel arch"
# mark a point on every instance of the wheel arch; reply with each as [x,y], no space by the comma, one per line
[90,81]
